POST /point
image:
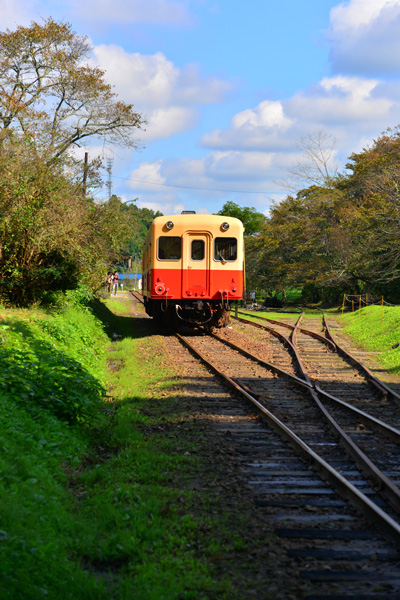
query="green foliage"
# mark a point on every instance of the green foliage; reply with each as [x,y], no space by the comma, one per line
[51,237]
[252,220]
[50,363]
[96,511]
[45,380]
[37,535]
[141,219]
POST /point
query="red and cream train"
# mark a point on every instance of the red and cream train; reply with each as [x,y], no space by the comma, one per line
[192,268]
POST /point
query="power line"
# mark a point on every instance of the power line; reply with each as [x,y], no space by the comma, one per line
[187,187]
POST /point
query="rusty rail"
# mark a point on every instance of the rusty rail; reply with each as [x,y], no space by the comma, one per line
[345,488]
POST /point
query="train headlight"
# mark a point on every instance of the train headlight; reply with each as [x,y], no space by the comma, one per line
[169,224]
[225,226]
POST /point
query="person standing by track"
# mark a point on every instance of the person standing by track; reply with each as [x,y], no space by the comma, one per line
[115,283]
[109,282]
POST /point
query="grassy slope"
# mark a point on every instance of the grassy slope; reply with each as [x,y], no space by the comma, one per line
[90,501]
[376,328]
[39,433]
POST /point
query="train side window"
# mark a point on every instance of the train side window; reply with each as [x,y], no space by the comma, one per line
[198,247]
[225,249]
[169,247]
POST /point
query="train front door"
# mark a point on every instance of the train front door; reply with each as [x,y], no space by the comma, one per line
[196,265]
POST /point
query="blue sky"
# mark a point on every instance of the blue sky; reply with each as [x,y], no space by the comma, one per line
[230,89]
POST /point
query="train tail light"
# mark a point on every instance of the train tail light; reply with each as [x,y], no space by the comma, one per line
[159,289]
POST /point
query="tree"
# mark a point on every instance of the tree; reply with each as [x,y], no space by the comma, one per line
[50,94]
[317,165]
[142,217]
[373,187]
[52,234]
[251,219]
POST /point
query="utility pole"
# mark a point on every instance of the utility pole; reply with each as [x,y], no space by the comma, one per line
[85,170]
[109,182]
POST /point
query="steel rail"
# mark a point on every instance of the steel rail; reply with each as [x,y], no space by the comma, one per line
[344,487]
[378,479]
[391,432]
[373,422]
[271,330]
[313,334]
[265,363]
[385,485]
[137,296]
[375,381]
[382,387]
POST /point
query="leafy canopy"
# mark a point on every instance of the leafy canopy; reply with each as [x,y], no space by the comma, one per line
[251,219]
[50,93]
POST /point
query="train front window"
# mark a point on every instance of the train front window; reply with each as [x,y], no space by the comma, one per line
[197,250]
[225,249]
[169,247]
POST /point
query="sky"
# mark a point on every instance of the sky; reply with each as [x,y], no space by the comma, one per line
[232,90]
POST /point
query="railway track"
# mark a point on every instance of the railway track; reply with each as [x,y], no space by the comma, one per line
[314,494]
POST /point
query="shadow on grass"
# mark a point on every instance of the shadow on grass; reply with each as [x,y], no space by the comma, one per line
[124,326]
[42,377]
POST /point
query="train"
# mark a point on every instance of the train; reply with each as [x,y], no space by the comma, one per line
[192,269]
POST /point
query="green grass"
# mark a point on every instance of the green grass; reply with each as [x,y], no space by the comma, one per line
[47,399]
[153,537]
[93,500]
[377,329]
[276,316]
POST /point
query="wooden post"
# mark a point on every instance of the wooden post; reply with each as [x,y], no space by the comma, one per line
[344,298]
[85,170]
[352,309]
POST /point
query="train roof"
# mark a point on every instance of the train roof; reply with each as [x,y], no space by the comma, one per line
[197,220]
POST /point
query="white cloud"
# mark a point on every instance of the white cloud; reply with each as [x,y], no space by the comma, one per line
[365,36]
[167,208]
[147,173]
[236,166]
[267,114]
[167,13]
[154,81]
[354,14]
[167,96]
[166,122]
[14,13]
[210,176]
[336,104]
[341,100]
[261,128]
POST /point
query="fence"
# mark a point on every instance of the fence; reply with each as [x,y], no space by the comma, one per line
[360,301]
